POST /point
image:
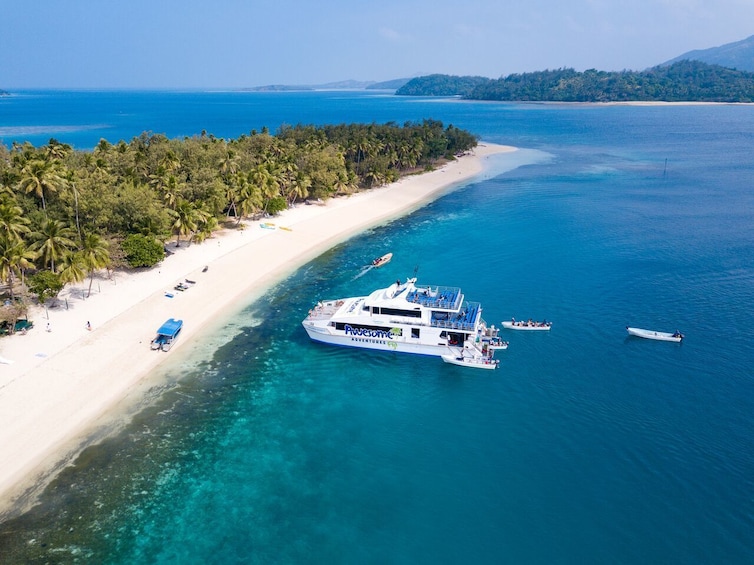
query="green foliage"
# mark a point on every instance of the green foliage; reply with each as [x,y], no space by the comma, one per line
[441,85]
[685,81]
[142,251]
[276,205]
[45,285]
[60,208]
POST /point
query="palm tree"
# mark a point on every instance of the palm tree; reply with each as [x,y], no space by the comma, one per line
[39,176]
[186,219]
[72,267]
[171,190]
[298,188]
[264,177]
[15,258]
[55,150]
[233,187]
[228,164]
[95,255]
[249,200]
[12,222]
[52,242]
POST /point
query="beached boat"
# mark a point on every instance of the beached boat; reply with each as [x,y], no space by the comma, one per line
[528,325]
[382,260]
[267,226]
[404,317]
[659,336]
[167,334]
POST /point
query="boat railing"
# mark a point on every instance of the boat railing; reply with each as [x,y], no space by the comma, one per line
[446,298]
[325,310]
[452,325]
[465,319]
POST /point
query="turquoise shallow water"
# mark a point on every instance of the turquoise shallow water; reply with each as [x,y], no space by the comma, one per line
[587,446]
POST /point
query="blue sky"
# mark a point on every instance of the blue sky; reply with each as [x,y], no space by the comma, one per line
[235,43]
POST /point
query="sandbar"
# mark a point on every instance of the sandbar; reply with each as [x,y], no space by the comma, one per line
[60,380]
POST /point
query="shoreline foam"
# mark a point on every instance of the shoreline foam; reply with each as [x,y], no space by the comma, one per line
[63,384]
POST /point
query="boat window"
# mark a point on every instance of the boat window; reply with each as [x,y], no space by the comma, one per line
[399,312]
[415,332]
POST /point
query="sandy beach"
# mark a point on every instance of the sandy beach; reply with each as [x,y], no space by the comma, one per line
[61,381]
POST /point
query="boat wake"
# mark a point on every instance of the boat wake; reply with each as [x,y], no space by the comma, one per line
[364,270]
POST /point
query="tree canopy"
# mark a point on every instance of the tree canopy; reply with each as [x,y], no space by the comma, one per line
[75,212]
[685,81]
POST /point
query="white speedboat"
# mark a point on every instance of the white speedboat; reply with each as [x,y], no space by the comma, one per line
[659,336]
[382,260]
[474,362]
[514,324]
[404,317]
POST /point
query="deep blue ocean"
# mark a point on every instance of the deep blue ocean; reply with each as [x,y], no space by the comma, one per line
[586,447]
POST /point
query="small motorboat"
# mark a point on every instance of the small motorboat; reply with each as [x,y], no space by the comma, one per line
[166,335]
[512,324]
[659,336]
[382,260]
[479,362]
[267,226]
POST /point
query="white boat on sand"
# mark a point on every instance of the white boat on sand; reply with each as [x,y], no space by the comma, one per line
[530,325]
[659,336]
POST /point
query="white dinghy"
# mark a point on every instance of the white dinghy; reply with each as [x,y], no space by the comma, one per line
[470,356]
[530,325]
[659,336]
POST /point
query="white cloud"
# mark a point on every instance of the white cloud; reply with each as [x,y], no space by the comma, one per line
[392,35]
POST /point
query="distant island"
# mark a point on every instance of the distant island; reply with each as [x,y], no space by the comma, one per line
[441,85]
[4,93]
[716,74]
[339,85]
[684,81]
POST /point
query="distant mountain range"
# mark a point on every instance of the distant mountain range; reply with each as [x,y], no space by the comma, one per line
[737,55]
[394,84]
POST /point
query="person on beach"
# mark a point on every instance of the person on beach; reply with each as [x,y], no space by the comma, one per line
[49,327]
[89,326]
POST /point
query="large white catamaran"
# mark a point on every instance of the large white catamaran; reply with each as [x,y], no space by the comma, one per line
[407,318]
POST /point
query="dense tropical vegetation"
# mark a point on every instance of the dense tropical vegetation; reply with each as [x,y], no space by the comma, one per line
[441,85]
[684,81]
[66,214]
